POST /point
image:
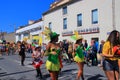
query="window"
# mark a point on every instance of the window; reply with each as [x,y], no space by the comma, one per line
[65,10]
[79,20]
[95,16]
[65,23]
[26,34]
[50,25]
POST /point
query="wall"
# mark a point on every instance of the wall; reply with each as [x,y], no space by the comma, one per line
[117,14]
[85,7]
[10,37]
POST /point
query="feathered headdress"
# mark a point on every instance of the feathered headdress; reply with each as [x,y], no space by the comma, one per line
[76,36]
[49,34]
[47,31]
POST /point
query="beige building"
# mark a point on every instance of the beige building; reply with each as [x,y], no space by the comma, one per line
[93,19]
[9,37]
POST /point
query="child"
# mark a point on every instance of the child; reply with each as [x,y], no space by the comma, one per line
[37,62]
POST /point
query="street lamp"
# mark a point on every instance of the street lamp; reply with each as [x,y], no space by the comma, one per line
[2,35]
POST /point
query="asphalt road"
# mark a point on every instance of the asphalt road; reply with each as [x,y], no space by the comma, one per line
[10,69]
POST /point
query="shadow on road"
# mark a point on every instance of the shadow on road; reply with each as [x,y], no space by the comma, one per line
[46,76]
[5,74]
[69,70]
[1,58]
[28,57]
[96,77]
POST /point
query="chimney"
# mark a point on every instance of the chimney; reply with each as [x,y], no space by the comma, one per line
[31,22]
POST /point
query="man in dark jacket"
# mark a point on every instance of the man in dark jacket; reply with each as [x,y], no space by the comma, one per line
[22,53]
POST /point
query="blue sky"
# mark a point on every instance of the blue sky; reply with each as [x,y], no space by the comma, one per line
[19,12]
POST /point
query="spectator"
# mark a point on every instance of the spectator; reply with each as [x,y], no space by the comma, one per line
[22,51]
[100,52]
[94,53]
[110,63]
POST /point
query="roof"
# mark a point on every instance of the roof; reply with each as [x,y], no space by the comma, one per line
[58,7]
[30,24]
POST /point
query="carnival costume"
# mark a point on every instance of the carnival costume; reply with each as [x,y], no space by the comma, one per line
[37,62]
[53,62]
[79,56]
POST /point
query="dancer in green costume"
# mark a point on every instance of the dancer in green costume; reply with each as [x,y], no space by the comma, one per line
[78,55]
[52,51]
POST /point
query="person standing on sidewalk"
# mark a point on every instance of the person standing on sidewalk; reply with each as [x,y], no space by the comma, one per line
[100,52]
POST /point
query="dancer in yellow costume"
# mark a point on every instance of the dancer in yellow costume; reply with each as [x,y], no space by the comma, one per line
[52,50]
[78,55]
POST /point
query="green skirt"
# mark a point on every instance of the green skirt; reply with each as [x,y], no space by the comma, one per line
[77,59]
[52,67]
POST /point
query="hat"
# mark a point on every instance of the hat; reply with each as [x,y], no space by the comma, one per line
[53,35]
[79,37]
[76,36]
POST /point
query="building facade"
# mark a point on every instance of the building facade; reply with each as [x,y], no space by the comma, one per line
[93,19]
[10,37]
[30,32]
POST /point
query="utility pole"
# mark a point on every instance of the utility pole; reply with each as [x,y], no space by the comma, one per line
[1,34]
[15,28]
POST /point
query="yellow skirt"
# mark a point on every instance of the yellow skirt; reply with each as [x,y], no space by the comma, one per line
[77,59]
[51,66]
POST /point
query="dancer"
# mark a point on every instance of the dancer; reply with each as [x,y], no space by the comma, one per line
[78,55]
[37,62]
[53,52]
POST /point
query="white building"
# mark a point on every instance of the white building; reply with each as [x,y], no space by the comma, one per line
[30,32]
[94,19]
